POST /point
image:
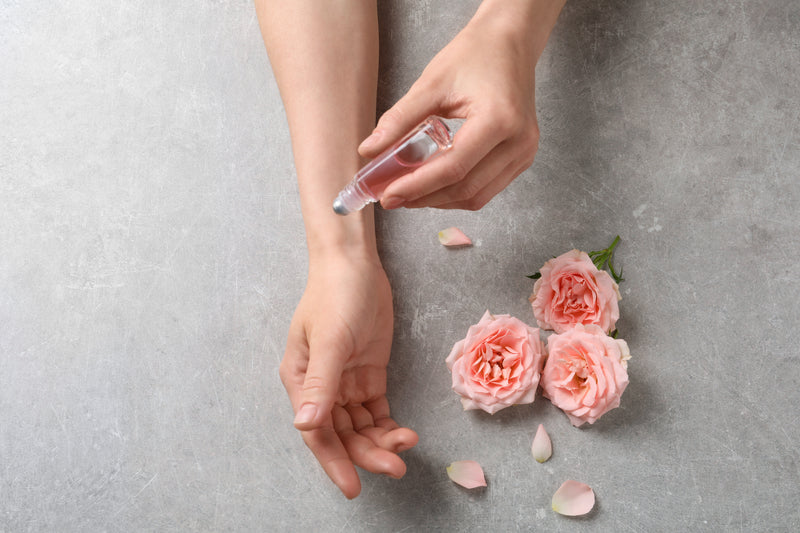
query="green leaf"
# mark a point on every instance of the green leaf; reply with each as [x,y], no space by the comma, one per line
[535,276]
[602,258]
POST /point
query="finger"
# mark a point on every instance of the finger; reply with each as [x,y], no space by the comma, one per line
[491,168]
[323,442]
[360,418]
[393,438]
[362,451]
[396,441]
[294,364]
[390,436]
[327,356]
[331,453]
[487,193]
[364,424]
[379,410]
[398,120]
[476,138]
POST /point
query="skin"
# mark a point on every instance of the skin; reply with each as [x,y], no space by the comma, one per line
[485,75]
[324,56]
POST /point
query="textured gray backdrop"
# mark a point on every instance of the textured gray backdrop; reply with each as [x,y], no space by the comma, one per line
[152,252]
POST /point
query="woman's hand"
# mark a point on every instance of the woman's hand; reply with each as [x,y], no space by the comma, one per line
[334,371]
[485,75]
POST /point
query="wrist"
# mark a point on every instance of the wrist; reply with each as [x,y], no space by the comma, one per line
[328,260]
[527,22]
[331,237]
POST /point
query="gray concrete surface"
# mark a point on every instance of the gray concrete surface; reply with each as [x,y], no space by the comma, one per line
[151,251]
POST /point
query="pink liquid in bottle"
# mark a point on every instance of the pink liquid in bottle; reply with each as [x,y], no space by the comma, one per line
[393,163]
[431,137]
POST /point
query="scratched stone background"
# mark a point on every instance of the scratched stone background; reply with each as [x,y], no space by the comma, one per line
[152,252]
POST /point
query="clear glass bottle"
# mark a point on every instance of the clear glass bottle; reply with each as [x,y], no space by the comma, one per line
[430,138]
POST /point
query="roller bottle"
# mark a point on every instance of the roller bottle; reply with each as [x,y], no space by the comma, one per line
[429,139]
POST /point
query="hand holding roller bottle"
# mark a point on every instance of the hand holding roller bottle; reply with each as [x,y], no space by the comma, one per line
[429,139]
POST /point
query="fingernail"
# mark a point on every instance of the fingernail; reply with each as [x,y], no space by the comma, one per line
[369,141]
[392,202]
[306,414]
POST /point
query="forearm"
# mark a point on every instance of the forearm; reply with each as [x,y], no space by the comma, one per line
[325,59]
[529,21]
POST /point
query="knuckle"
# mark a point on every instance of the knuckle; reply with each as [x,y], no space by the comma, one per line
[507,122]
[502,124]
[528,158]
[505,130]
[469,191]
[529,145]
[510,116]
[314,384]
[474,204]
[531,137]
[526,164]
[454,172]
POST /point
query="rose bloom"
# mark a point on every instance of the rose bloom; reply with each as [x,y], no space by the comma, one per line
[573,291]
[497,364]
[586,373]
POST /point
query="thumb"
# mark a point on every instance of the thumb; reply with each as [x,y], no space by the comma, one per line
[398,120]
[321,384]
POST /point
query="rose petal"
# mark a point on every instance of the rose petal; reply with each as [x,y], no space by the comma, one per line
[453,237]
[573,499]
[542,447]
[468,474]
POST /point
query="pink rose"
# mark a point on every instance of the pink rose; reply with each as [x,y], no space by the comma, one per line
[585,373]
[497,364]
[573,291]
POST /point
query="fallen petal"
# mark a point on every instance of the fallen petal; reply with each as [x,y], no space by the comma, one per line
[468,474]
[453,237]
[542,447]
[573,499]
